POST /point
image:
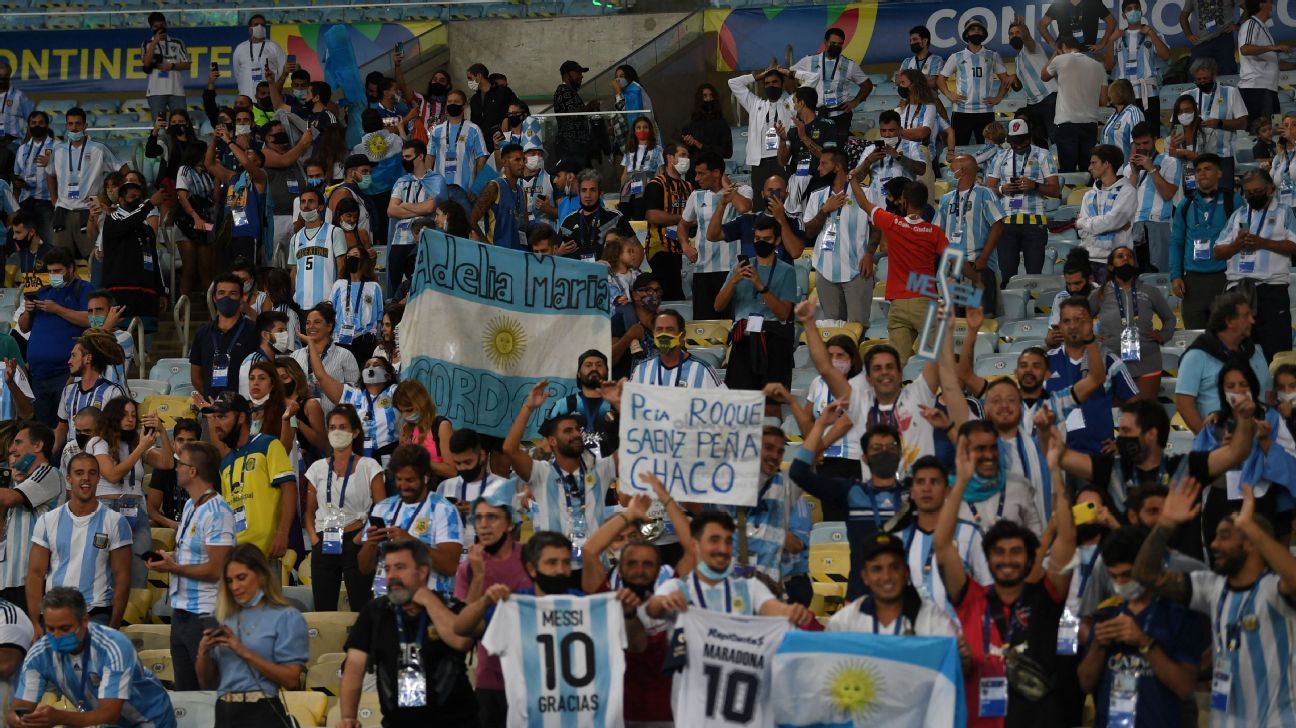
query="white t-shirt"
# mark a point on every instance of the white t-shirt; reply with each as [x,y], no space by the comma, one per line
[351,496]
[131,484]
[1079,80]
[931,621]
[917,438]
[1260,71]
[249,61]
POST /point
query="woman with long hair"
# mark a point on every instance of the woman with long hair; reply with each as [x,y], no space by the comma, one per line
[276,294]
[422,426]
[372,398]
[266,396]
[348,235]
[452,219]
[388,342]
[1189,138]
[922,115]
[260,646]
[332,150]
[340,490]
[304,410]
[707,130]
[1121,304]
[194,218]
[358,300]
[125,443]
[642,158]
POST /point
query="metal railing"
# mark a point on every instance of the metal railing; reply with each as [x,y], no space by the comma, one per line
[180,314]
[136,330]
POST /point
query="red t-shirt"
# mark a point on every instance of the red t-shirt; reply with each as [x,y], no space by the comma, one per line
[1036,613]
[913,246]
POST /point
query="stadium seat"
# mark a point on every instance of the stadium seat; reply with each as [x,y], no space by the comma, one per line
[1043,303]
[712,355]
[194,708]
[1022,343]
[1185,337]
[302,597]
[1180,442]
[1033,282]
[158,662]
[1156,280]
[149,636]
[140,389]
[801,378]
[1026,328]
[828,532]
[827,598]
[1013,304]
[164,538]
[369,712]
[707,333]
[830,562]
[1170,362]
[996,365]
[9,298]
[816,507]
[164,369]
[325,674]
[306,706]
[168,408]
[328,631]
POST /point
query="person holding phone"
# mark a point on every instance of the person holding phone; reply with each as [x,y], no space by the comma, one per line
[82,544]
[38,486]
[164,60]
[259,646]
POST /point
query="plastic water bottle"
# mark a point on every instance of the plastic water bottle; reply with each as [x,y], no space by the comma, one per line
[578,532]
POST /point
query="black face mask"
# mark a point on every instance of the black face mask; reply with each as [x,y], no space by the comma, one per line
[773,93]
[352,264]
[81,440]
[289,387]
[265,104]
[1129,448]
[4,84]
[1258,202]
[437,89]
[902,91]
[514,120]
[764,249]
[884,464]
[643,592]
[915,48]
[494,548]
[472,474]
[1089,531]
[708,106]
[832,51]
[1205,86]
[552,584]
[974,38]
[589,208]
[39,132]
[575,83]
[280,138]
[1016,43]
[408,165]
[454,109]
[130,436]
[1125,272]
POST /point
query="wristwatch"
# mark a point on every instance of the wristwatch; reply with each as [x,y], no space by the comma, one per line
[1145,649]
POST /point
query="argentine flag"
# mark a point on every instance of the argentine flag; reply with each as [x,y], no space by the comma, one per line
[839,680]
[485,323]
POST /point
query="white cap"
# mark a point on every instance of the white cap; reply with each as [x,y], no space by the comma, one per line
[1018,127]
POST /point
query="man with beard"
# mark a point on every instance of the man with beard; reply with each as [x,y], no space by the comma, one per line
[598,420]
[1077,280]
[568,493]
[892,605]
[257,478]
[392,635]
[1012,614]
[495,558]
[997,492]
[673,366]
[472,463]
[1250,596]
[928,490]
[764,531]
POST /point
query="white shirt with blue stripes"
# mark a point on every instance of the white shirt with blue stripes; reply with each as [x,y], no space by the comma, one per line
[359,309]
[1136,62]
[1118,130]
[432,520]
[42,490]
[76,398]
[975,74]
[1151,206]
[79,549]
[714,256]
[1029,64]
[691,373]
[312,257]
[1275,222]
[211,524]
[378,415]
[843,239]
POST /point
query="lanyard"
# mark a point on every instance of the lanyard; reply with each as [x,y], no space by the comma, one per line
[697,588]
[80,162]
[328,495]
[83,699]
[238,330]
[258,55]
[1021,456]
[1003,498]
[1087,571]
[898,623]
[579,494]
[1009,629]
[1206,108]
[463,484]
[962,206]
[1120,302]
[184,527]
[350,306]
[913,113]
[1260,227]
[1232,631]
[1025,163]
[452,150]
[823,66]
[35,150]
[408,646]
[413,516]
[641,154]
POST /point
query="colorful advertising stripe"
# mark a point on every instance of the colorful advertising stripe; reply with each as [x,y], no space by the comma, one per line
[878,32]
[77,61]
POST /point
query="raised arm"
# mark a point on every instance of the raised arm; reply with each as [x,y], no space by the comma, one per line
[1223,459]
[1181,505]
[593,574]
[513,443]
[1097,376]
[836,381]
[1064,540]
[952,571]
[1277,556]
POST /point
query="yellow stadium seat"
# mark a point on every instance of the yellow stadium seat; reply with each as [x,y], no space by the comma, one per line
[867,344]
[707,333]
[159,579]
[1178,423]
[158,662]
[325,674]
[58,702]
[164,539]
[853,329]
[168,408]
[286,564]
[368,711]
[149,636]
[830,562]
[879,289]
[328,631]
[828,598]
[816,508]
[304,570]
[1076,196]
[138,606]
[307,706]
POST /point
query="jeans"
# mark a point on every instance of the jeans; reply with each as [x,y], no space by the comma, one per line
[1222,48]
[399,257]
[186,633]
[1075,143]
[329,571]
[1040,115]
[1026,241]
[1273,326]
[45,393]
[161,104]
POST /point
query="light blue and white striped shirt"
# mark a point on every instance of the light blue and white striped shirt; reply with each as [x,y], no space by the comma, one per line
[930,66]
[976,77]
[411,190]
[838,260]
[1136,62]
[1224,103]
[731,595]
[15,629]
[1029,65]
[557,495]
[14,110]
[800,521]
[691,373]
[313,258]
[887,168]
[719,256]
[767,525]
[75,398]
[359,309]
[1275,222]
[378,415]
[967,216]
[42,491]
[1283,170]
[211,524]
[836,80]
[108,670]
[1120,127]
[915,116]
[1152,207]
[1036,165]
[456,148]
[119,373]
[81,172]
[33,175]
[923,570]
[79,549]
[433,521]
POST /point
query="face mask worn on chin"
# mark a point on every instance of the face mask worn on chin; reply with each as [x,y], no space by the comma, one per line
[255,600]
[1017,43]
[413,419]
[75,136]
[558,584]
[1129,448]
[310,215]
[884,464]
[340,439]
[643,592]
[374,375]
[773,93]
[494,548]
[227,306]
[1236,398]
[711,573]
[347,226]
[1186,119]
[1287,397]
[65,643]
[1258,202]
[534,163]
[259,401]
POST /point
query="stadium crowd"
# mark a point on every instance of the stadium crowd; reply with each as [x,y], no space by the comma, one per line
[1042,520]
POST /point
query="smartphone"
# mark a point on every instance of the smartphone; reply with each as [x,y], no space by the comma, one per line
[214,66]
[151,556]
[292,59]
[742,260]
[22,712]
[208,622]
[376,522]
[400,48]
[1084,512]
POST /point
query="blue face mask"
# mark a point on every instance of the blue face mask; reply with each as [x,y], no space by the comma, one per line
[314,181]
[74,136]
[97,322]
[56,280]
[65,643]
[712,574]
[227,306]
[365,182]
[301,94]
[255,600]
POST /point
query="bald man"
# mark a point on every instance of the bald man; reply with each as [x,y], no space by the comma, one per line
[972,217]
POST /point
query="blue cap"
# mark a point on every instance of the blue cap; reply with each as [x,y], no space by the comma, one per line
[500,494]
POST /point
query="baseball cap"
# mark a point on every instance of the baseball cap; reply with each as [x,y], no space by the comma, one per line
[1018,127]
[227,402]
[975,20]
[883,543]
[357,160]
[571,66]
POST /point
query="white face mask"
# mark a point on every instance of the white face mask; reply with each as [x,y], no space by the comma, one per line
[891,141]
[682,165]
[258,32]
[310,215]
[535,164]
[242,129]
[842,365]
[339,439]
[374,375]
[1234,398]
[1288,397]
[473,85]
[281,342]
[347,226]
[1129,591]
[258,401]
[1186,119]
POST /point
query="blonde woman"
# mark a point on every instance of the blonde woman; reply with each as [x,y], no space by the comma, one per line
[1117,131]
[421,425]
